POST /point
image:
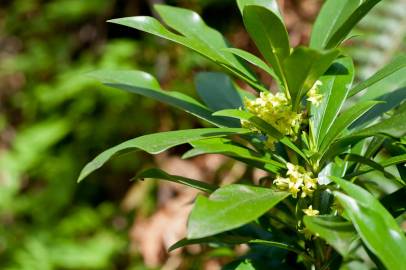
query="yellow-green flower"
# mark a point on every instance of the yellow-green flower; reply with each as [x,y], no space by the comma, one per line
[313,96]
[297,180]
[310,211]
[310,184]
[276,110]
[282,182]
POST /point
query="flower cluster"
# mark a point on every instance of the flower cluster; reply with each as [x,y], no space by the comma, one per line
[297,180]
[313,96]
[276,110]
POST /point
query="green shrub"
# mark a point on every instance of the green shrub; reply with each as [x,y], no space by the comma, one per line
[334,157]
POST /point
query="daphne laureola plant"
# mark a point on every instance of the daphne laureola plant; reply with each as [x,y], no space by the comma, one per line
[334,195]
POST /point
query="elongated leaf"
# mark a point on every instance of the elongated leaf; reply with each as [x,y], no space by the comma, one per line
[286,141]
[335,86]
[394,126]
[343,144]
[384,163]
[262,126]
[387,85]
[254,60]
[158,142]
[397,64]
[344,121]
[144,84]
[232,149]
[373,164]
[269,34]
[272,5]
[336,231]
[230,207]
[373,223]
[233,240]
[388,102]
[217,91]
[255,120]
[341,33]
[212,51]
[159,174]
[331,17]
[191,25]
[362,197]
[303,67]
[276,244]
[218,239]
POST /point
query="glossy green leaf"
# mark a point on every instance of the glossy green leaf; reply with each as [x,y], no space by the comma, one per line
[217,91]
[199,37]
[397,64]
[345,120]
[373,223]
[384,163]
[286,141]
[394,126]
[230,207]
[269,34]
[142,83]
[158,142]
[276,244]
[233,240]
[254,60]
[272,5]
[303,67]
[190,24]
[255,120]
[155,173]
[388,102]
[337,232]
[229,148]
[335,86]
[218,239]
[263,126]
[371,163]
[341,33]
[332,15]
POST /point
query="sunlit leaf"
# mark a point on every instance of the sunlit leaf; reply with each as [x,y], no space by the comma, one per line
[373,223]
[303,67]
[336,231]
[273,42]
[344,120]
[230,207]
[348,24]
[254,60]
[397,64]
[232,149]
[142,83]
[200,38]
[335,86]
[156,143]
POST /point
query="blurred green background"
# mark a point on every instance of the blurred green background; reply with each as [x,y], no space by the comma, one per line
[53,119]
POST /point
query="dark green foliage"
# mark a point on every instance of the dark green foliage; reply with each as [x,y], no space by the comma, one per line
[309,138]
